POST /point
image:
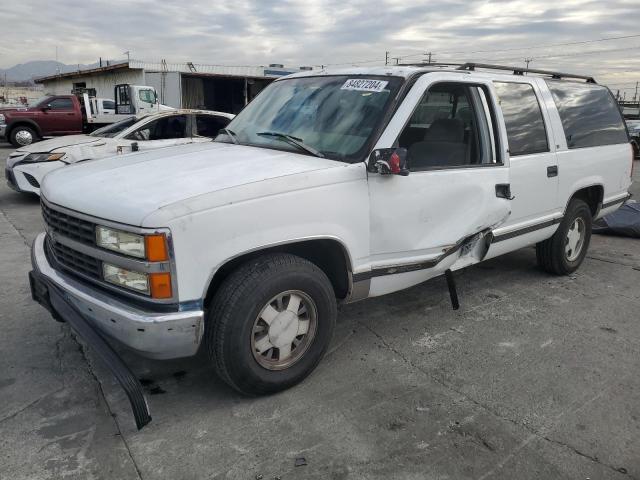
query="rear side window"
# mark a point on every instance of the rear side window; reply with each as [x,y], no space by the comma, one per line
[523,118]
[589,114]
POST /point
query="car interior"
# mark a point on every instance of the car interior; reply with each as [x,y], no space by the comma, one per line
[443,130]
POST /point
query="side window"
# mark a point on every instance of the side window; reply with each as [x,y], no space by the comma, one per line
[61,104]
[209,125]
[108,104]
[589,114]
[448,128]
[161,129]
[523,118]
[148,96]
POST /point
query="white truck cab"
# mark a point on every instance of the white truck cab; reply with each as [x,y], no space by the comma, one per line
[330,186]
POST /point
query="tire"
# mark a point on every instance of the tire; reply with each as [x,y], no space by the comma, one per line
[560,254]
[236,325]
[21,136]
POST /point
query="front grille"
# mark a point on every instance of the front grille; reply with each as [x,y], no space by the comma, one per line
[71,227]
[74,261]
[32,180]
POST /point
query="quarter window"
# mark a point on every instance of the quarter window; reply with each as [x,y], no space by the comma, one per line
[523,118]
[589,114]
[448,128]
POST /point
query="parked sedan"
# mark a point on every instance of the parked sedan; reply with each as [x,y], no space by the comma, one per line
[27,166]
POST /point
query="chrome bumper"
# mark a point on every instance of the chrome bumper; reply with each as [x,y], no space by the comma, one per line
[151,334]
[3,130]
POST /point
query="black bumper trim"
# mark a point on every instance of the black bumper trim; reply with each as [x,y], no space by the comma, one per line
[55,300]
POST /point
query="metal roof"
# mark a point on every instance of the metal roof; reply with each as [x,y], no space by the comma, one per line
[187,67]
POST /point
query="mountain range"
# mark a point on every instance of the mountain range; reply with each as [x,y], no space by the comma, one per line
[38,68]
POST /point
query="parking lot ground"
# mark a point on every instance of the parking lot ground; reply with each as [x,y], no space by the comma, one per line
[535,377]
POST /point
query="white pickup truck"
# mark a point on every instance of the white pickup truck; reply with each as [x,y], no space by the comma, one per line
[331,186]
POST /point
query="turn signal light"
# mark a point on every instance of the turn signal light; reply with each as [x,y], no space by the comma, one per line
[160,285]
[156,248]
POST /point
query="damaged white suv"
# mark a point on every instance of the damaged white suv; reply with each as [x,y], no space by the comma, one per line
[329,187]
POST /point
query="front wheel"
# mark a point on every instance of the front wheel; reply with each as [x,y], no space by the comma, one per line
[563,253]
[270,323]
[21,136]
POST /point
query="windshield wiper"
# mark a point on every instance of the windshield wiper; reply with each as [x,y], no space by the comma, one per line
[293,141]
[229,133]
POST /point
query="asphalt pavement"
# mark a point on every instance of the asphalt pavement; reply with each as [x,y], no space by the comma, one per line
[534,377]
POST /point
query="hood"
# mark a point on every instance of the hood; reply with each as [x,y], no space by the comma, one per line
[127,188]
[59,142]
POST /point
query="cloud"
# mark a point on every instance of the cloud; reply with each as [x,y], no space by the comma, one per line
[321,32]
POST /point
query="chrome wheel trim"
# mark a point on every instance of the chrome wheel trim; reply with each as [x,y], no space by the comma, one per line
[284,330]
[24,138]
[575,239]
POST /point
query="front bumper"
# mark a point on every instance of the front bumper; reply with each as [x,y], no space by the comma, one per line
[3,130]
[158,335]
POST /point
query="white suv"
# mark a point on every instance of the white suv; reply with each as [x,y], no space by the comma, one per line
[329,187]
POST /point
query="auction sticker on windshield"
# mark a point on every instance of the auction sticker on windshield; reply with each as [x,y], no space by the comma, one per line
[364,85]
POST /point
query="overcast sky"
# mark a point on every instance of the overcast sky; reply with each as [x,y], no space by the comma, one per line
[308,32]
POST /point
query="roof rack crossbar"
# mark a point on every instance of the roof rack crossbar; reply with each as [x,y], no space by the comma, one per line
[522,71]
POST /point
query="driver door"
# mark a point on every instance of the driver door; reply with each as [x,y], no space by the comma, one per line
[441,215]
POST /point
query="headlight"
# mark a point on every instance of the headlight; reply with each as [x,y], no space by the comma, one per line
[150,247]
[42,157]
[121,242]
[2,119]
[126,278]
[157,285]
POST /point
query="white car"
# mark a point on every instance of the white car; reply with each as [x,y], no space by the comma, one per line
[27,166]
[329,187]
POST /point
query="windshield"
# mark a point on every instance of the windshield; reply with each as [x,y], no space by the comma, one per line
[112,130]
[335,116]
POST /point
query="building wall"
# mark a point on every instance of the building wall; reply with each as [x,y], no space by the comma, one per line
[168,86]
[103,82]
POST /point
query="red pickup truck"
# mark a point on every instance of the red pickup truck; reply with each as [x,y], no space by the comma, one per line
[52,115]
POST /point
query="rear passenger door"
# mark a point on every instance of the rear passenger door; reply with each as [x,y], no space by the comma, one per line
[448,126]
[532,159]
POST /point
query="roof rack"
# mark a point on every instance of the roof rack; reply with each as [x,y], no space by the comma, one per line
[522,71]
[471,66]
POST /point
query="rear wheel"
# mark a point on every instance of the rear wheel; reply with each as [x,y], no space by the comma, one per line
[270,323]
[21,136]
[564,252]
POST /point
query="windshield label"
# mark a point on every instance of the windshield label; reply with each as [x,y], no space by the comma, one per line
[364,85]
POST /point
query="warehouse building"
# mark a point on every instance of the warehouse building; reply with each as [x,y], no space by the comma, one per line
[179,85]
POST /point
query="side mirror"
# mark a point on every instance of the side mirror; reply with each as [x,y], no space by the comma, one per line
[389,161]
[46,107]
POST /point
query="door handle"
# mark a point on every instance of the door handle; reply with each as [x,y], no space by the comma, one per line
[552,171]
[503,190]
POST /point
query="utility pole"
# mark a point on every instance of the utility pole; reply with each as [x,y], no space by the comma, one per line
[429,57]
[127,54]
[635,95]
[527,61]
[397,59]
[386,58]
